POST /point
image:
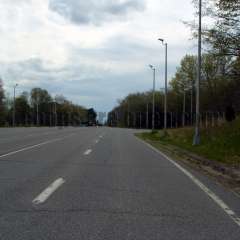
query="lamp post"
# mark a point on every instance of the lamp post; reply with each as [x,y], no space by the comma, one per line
[55,113]
[166,82]
[153,101]
[147,125]
[14,93]
[128,116]
[37,109]
[196,139]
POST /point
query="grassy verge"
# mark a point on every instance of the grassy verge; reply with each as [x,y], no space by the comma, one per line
[221,144]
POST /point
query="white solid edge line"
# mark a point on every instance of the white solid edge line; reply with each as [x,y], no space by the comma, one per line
[42,197]
[210,193]
[30,147]
[87,152]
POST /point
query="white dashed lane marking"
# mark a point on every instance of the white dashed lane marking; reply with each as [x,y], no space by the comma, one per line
[42,197]
[87,152]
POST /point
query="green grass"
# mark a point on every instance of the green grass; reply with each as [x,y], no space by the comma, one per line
[221,144]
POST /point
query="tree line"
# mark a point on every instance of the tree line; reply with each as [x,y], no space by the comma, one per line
[38,108]
[219,90]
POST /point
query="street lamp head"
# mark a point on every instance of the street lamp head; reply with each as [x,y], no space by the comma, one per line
[161,40]
[151,66]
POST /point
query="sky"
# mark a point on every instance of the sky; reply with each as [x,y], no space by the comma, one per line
[94,52]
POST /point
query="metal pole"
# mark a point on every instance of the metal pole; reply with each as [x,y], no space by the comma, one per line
[153,105]
[37,110]
[14,91]
[196,140]
[37,116]
[166,85]
[128,117]
[55,113]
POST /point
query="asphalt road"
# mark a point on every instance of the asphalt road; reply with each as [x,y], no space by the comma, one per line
[103,183]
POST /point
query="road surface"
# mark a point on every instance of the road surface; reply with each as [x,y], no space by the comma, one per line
[103,183]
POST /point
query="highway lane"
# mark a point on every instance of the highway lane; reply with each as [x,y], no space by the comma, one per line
[115,187]
[17,138]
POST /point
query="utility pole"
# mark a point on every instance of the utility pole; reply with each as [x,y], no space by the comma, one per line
[153,101]
[196,139]
[166,83]
[14,93]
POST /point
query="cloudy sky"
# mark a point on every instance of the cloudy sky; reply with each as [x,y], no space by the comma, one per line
[91,51]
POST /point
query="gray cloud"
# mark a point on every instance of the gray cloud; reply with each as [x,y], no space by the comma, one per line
[100,89]
[95,11]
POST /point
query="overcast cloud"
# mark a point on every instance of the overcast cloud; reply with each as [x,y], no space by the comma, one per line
[95,11]
[93,52]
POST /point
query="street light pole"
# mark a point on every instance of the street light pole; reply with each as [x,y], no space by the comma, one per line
[196,139]
[153,101]
[37,109]
[128,117]
[166,82]
[55,113]
[14,93]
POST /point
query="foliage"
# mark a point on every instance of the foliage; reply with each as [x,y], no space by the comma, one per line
[219,89]
[225,35]
[230,114]
[222,32]
[38,104]
[220,143]
[219,86]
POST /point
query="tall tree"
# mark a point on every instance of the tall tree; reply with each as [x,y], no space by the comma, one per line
[40,101]
[186,74]
[22,109]
[225,35]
